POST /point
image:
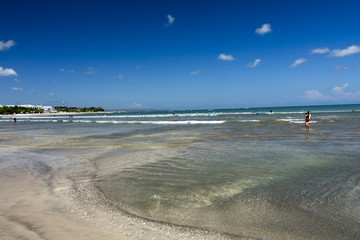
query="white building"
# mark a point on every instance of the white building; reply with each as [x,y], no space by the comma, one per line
[48,108]
[45,108]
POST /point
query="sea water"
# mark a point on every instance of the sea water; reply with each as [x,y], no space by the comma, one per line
[245,172]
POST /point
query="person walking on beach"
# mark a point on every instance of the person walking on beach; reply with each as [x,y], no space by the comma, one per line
[14,120]
[307,119]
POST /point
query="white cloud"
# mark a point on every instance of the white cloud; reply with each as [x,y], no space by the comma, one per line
[265,28]
[298,62]
[90,72]
[254,64]
[51,94]
[17,80]
[345,52]
[341,67]
[337,94]
[121,76]
[16,89]
[6,45]
[135,105]
[340,90]
[71,70]
[171,20]
[225,57]
[5,72]
[320,50]
[315,95]
[195,72]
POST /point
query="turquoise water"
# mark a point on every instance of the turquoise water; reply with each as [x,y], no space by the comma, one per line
[246,172]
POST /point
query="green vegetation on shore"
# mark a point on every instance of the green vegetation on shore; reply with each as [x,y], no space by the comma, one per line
[75,109]
[19,109]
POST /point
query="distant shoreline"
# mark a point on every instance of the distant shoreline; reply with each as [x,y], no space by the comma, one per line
[55,114]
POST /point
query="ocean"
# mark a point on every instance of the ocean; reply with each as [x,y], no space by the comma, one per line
[247,172]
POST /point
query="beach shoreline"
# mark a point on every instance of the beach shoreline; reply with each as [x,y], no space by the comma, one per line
[54,114]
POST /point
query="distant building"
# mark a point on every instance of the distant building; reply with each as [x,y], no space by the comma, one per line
[48,109]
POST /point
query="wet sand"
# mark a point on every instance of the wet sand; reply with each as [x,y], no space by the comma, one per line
[42,198]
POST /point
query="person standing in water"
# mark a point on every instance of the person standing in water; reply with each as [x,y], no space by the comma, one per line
[307,119]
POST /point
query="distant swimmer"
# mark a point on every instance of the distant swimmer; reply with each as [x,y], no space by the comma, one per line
[307,119]
[14,120]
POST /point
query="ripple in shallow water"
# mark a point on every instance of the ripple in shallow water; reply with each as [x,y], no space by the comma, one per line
[254,190]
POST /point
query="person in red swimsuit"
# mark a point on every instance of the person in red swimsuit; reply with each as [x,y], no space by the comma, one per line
[307,119]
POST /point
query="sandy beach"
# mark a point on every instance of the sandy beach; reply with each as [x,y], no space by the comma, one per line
[39,201]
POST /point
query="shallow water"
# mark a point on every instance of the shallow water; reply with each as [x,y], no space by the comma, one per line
[258,175]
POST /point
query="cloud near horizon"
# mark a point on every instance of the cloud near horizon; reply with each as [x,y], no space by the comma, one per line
[336,94]
[6,72]
[225,57]
[6,45]
[265,28]
[298,62]
[340,90]
[254,64]
[345,52]
[136,105]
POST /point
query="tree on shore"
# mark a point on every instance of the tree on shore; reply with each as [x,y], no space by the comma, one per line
[75,109]
[18,109]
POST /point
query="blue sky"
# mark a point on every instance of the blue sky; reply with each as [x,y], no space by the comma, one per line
[179,54]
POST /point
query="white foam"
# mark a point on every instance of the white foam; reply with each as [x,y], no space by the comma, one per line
[155,197]
[82,121]
[254,120]
[291,120]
